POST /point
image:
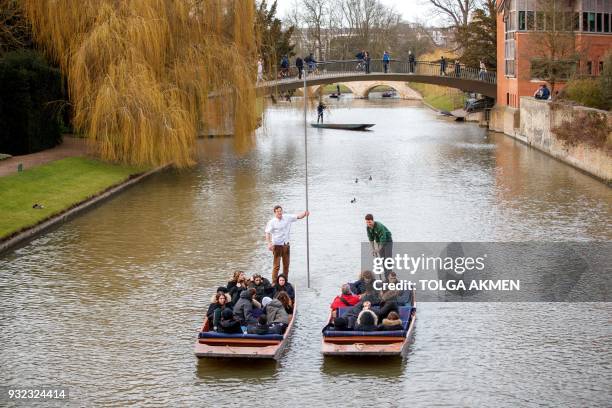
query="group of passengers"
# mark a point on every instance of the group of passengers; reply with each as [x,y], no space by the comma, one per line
[252,305]
[369,309]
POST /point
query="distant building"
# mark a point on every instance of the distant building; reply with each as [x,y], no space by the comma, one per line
[517,20]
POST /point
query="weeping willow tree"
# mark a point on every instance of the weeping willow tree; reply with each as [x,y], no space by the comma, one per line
[141,73]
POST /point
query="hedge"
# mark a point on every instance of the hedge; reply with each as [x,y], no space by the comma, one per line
[31,98]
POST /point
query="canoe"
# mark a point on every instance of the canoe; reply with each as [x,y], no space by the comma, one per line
[346,126]
[378,343]
[268,346]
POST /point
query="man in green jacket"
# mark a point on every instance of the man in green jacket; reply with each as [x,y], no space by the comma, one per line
[380,240]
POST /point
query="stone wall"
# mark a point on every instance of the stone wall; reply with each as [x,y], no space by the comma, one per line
[536,121]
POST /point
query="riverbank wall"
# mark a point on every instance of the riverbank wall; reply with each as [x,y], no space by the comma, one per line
[534,124]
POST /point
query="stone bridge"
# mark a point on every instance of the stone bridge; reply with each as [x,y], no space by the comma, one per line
[345,72]
[361,89]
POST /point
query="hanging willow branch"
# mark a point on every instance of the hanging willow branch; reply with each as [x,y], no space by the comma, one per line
[140,72]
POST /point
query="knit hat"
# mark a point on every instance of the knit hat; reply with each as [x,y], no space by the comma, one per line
[227,314]
[265,301]
[222,289]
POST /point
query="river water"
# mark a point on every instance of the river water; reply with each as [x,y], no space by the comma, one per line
[109,304]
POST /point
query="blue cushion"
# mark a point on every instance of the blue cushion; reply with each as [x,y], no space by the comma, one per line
[335,333]
[215,335]
[404,313]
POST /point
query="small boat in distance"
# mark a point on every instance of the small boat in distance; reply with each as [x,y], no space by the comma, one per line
[388,94]
[345,126]
[267,346]
[371,343]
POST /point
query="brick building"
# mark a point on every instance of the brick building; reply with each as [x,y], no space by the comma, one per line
[518,20]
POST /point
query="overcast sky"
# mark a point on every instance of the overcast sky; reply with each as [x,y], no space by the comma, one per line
[411,10]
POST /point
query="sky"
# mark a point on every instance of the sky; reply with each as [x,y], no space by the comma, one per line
[411,10]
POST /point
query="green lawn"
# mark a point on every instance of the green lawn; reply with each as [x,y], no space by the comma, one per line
[441,98]
[58,186]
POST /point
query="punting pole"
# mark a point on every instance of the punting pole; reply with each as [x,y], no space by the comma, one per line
[306,175]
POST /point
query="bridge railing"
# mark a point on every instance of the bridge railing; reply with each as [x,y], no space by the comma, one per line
[353,67]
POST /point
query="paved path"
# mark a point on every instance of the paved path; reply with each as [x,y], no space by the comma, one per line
[70,147]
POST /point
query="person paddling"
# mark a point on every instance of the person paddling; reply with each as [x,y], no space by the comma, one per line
[380,239]
[277,236]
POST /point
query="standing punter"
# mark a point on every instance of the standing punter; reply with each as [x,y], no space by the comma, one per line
[277,236]
[380,240]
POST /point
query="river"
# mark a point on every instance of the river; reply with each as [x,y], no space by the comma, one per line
[109,304]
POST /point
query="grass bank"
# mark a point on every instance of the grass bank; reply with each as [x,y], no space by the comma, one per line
[57,186]
[440,97]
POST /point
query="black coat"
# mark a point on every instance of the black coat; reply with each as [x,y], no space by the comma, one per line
[262,290]
[299,62]
[287,288]
[229,326]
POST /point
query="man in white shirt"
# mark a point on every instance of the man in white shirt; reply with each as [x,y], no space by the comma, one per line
[277,237]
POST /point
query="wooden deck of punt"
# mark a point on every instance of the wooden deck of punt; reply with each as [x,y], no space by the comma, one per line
[346,126]
[369,345]
[235,347]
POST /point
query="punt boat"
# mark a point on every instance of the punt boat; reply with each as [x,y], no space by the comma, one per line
[343,126]
[374,343]
[249,346]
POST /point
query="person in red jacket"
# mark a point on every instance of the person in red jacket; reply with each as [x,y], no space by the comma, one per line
[345,299]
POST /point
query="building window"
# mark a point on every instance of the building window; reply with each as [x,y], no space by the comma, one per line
[589,67]
[599,25]
[530,20]
[507,98]
[600,67]
[592,22]
[606,22]
[585,21]
[521,21]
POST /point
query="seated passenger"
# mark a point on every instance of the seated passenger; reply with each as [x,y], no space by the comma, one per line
[282,285]
[340,324]
[228,323]
[261,327]
[262,287]
[392,322]
[219,302]
[346,298]
[245,309]
[366,280]
[275,311]
[371,295]
[284,298]
[402,297]
[237,285]
[367,321]
[352,314]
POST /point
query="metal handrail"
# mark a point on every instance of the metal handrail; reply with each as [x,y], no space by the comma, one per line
[376,66]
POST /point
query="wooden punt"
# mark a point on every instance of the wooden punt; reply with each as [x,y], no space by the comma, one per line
[247,347]
[382,345]
[342,126]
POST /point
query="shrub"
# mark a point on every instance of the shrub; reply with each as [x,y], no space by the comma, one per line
[31,98]
[587,92]
[605,80]
[586,127]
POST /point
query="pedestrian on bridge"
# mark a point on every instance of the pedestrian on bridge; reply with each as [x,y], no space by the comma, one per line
[457,69]
[443,66]
[299,63]
[259,70]
[367,60]
[483,71]
[411,62]
[386,59]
